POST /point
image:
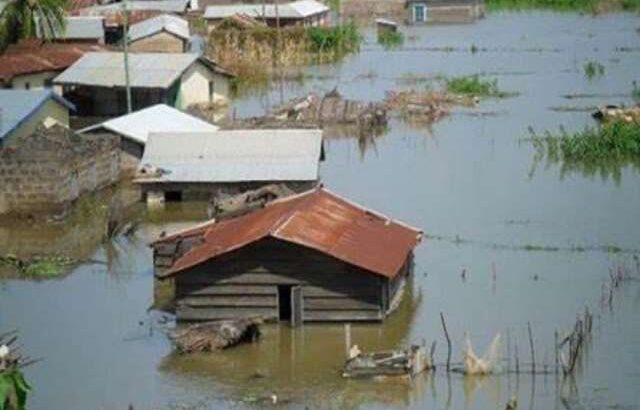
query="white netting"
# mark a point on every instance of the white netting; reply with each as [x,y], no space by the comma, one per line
[487,363]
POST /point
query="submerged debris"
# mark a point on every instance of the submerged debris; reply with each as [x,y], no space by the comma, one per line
[616,113]
[38,266]
[481,365]
[229,206]
[407,362]
[428,104]
[207,337]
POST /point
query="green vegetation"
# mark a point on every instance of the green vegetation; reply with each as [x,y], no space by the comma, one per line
[37,267]
[635,92]
[339,40]
[592,6]
[604,149]
[334,5]
[593,69]
[474,85]
[21,19]
[13,390]
[390,38]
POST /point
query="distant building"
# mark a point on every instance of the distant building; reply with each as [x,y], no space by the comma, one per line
[23,111]
[301,12]
[133,130]
[34,63]
[311,257]
[444,11]
[160,34]
[51,168]
[78,29]
[96,82]
[177,166]
[137,11]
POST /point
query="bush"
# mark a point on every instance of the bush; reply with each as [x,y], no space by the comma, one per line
[473,85]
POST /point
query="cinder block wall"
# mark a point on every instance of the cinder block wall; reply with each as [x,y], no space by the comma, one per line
[46,182]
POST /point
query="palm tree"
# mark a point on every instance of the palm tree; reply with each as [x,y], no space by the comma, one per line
[25,18]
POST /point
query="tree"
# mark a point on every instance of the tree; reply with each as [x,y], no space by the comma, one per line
[21,19]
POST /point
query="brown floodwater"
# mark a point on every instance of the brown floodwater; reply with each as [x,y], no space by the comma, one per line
[536,242]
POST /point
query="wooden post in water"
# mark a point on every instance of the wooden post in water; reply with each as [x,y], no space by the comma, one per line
[446,334]
[515,348]
[533,352]
[347,338]
[556,347]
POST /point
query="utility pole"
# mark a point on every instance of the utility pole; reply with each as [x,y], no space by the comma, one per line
[126,54]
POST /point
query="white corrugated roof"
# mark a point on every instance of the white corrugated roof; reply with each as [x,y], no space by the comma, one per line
[146,70]
[160,117]
[235,155]
[77,28]
[172,24]
[168,6]
[294,10]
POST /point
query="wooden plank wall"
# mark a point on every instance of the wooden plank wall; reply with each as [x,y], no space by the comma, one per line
[244,283]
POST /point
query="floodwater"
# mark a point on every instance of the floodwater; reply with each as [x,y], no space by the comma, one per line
[469,181]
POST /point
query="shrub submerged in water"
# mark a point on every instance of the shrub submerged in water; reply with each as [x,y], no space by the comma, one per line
[343,38]
[473,85]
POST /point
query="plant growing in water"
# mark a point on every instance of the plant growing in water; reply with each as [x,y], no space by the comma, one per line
[604,149]
[390,38]
[635,92]
[593,69]
[339,40]
[473,85]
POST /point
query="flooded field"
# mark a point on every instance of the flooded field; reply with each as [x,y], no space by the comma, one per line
[536,244]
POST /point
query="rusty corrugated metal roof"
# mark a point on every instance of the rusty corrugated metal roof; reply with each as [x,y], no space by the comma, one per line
[317,219]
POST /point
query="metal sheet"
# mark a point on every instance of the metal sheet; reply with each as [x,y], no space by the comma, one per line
[235,156]
[317,219]
[171,24]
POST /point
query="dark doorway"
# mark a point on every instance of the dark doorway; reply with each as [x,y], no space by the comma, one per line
[284,302]
[173,196]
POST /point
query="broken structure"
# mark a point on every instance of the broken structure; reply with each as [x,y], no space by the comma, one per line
[310,257]
[180,165]
[444,11]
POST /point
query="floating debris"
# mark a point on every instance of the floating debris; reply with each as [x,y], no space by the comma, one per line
[617,113]
[207,337]
[407,362]
[431,105]
[229,206]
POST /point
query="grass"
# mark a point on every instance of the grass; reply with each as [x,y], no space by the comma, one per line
[38,267]
[591,6]
[340,39]
[635,92]
[473,85]
[603,149]
[593,69]
[390,38]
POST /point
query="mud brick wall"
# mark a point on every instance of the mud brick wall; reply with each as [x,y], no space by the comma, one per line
[367,9]
[48,180]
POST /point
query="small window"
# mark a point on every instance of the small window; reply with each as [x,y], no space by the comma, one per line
[419,13]
[27,85]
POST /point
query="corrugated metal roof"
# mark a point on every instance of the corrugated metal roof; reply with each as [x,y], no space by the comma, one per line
[78,28]
[16,106]
[146,70]
[318,219]
[137,125]
[294,10]
[167,6]
[235,156]
[28,57]
[166,22]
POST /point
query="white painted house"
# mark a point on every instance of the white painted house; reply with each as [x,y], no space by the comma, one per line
[96,82]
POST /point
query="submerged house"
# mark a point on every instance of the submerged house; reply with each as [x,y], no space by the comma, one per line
[96,82]
[182,166]
[133,130]
[160,34]
[311,257]
[24,111]
[444,11]
[300,12]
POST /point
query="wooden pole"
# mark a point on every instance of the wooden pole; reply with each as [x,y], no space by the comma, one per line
[556,350]
[515,349]
[125,29]
[533,351]
[347,338]
[446,334]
